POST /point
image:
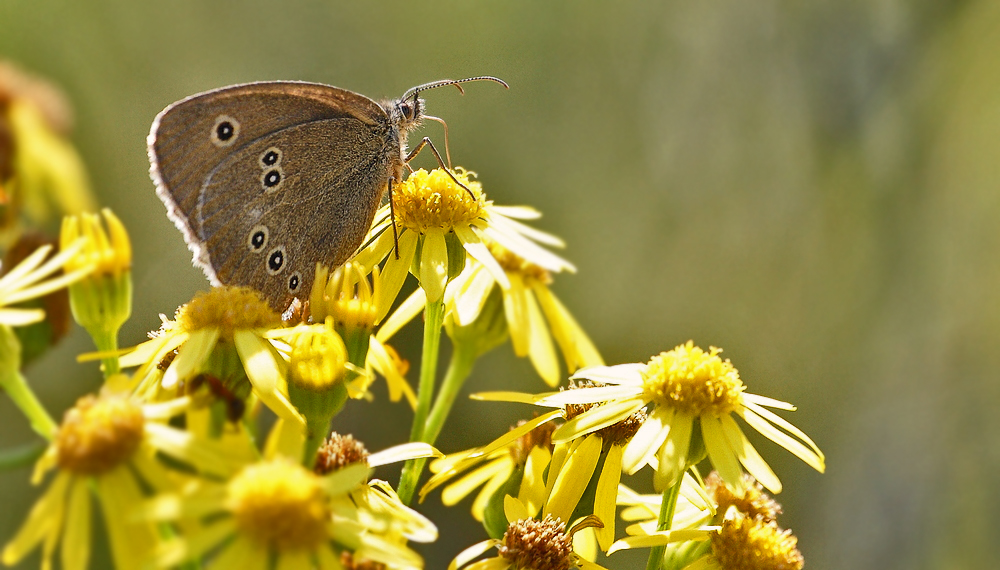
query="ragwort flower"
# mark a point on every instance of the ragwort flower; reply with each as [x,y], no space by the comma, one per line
[106,450]
[691,391]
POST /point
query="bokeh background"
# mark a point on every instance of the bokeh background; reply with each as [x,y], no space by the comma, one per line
[812,186]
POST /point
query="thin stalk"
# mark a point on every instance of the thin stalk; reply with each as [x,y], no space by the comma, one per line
[107,342]
[433,319]
[17,388]
[21,456]
[667,506]
[462,360]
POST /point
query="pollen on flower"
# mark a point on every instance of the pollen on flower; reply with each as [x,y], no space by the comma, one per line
[513,263]
[98,434]
[693,381]
[281,505]
[618,433]
[753,544]
[433,200]
[531,544]
[752,501]
[317,359]
[339,451]
[541,436]
[227,308]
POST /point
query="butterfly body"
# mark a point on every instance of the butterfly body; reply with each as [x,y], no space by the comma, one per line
[267,179]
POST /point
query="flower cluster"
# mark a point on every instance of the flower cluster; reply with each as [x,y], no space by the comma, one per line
[173,451]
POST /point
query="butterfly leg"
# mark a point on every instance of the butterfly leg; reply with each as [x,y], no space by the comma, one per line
[392,219]
[427,142]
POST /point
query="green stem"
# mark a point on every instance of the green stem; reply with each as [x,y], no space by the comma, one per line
[667,505]
[433,319]
[17,388]
[107,341]
[21,456]
[462,360]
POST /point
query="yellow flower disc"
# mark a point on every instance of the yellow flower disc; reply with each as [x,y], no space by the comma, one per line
[281,505]
[229,309]
[317,359]
[433,200]
[98,434]
[693,381]
[752,544]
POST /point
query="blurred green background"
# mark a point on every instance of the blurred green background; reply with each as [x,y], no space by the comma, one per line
[811,186]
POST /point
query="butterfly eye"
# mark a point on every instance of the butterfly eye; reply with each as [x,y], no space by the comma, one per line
[258,238]
[271,179]
[225,131]
[276,260]
[271,157]
[406,108]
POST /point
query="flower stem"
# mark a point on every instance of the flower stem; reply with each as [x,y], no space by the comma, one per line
[107,342]
[462,360]
[433,319]
[21,456]
[17,388]
[667,505]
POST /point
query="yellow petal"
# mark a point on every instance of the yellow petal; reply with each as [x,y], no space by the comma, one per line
[42,520]
[458,490]
[471,553]
[672,456]
[264,371]
[625,374]
[541,351]
[433,265]
[647,440]
[574,476]
[394,273]
[811,455]
[606,495]
[532,490]
[515,510]
[20,317]
[471,297]
[190,356]
[404,313]
[75,550]
[516,312]
[577,348]
[486,493]
[748,456]
[131,542]
[403,452]
[720,453]
[475,247]
[597,418]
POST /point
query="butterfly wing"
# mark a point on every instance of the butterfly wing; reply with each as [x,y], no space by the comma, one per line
[266,179]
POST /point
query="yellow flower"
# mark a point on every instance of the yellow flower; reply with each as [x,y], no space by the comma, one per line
[279,510]
[106,450]
[575,462]
[691,391]
[347,297]
[35,277]
[439,223]
[534,316]
[40,171]
[529,544]
[225,332]
[526,447]
[102,302]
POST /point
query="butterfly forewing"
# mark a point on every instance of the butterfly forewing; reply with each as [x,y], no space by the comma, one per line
[304,164]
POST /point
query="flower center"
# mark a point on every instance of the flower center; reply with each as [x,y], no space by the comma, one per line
[693,381]
[281,505]
[752,501]
[752,544]
[538,545]
[339,451]
[513,263]
[98,434]
[345,295]
[618,433]
[433,200]
[541,436]
[229,309]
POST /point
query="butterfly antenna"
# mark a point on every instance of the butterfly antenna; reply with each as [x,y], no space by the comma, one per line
[447,151]
[456,82]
